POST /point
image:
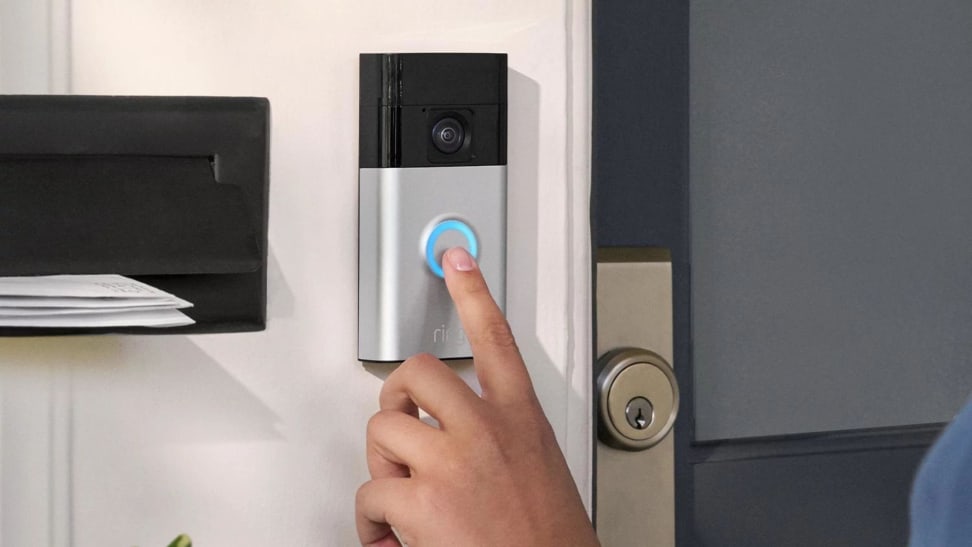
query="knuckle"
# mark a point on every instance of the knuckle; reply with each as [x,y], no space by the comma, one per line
[361,494]
[476,288]
[454,469]
[497,333]
[410,371]
[484,425]
[540,427]
[377,422]
[429,498]
[477,417]
[416,364]
[425,494]
[492,433]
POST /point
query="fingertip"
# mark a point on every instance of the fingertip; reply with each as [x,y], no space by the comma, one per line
[459,259]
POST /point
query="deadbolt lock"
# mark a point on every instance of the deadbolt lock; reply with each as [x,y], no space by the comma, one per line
[638,398]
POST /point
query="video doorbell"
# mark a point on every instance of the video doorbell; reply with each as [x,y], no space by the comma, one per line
[432,175]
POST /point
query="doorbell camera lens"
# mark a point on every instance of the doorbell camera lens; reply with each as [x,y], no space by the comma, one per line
[448,135]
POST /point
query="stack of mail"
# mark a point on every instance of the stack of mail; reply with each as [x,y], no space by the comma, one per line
[68,301]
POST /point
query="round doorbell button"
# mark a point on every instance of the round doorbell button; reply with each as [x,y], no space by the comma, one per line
[445,235]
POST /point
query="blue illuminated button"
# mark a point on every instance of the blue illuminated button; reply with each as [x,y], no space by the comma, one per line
[452,225]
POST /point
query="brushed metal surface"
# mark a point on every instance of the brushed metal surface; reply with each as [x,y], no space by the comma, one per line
[635,490]
[404,308]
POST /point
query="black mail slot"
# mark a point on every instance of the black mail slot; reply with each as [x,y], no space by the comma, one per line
[169,190]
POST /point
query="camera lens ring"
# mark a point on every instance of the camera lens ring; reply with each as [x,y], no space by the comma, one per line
[448,135]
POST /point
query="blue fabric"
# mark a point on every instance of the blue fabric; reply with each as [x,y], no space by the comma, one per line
[941,500]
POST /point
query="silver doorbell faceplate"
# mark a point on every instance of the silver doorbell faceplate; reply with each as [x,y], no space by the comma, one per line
[409,217]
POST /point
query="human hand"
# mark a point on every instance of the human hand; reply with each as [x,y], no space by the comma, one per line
[492,473]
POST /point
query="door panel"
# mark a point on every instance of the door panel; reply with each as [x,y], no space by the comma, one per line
[811,197]
[831,240]
[854,499]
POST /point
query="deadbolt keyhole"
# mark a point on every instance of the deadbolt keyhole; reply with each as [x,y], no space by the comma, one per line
[639,413]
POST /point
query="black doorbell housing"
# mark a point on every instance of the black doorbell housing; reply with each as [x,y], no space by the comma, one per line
[429,109]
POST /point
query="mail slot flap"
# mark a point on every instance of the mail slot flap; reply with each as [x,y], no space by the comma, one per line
[122,214]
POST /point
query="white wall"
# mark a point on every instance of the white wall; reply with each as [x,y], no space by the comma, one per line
[257,439]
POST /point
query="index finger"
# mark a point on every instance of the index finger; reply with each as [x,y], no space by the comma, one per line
[499,366]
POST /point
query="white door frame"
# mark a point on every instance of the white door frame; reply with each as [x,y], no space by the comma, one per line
[35,397]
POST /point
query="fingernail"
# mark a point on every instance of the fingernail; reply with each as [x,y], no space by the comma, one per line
[460,259]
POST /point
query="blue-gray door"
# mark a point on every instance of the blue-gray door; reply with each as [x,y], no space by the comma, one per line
[809,166]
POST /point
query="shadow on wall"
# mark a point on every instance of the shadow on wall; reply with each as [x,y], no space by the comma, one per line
[523,270]
[165,388]
[281,303]
[171,388]
[105,411]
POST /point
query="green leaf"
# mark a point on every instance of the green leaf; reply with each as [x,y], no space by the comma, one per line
[181,541]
